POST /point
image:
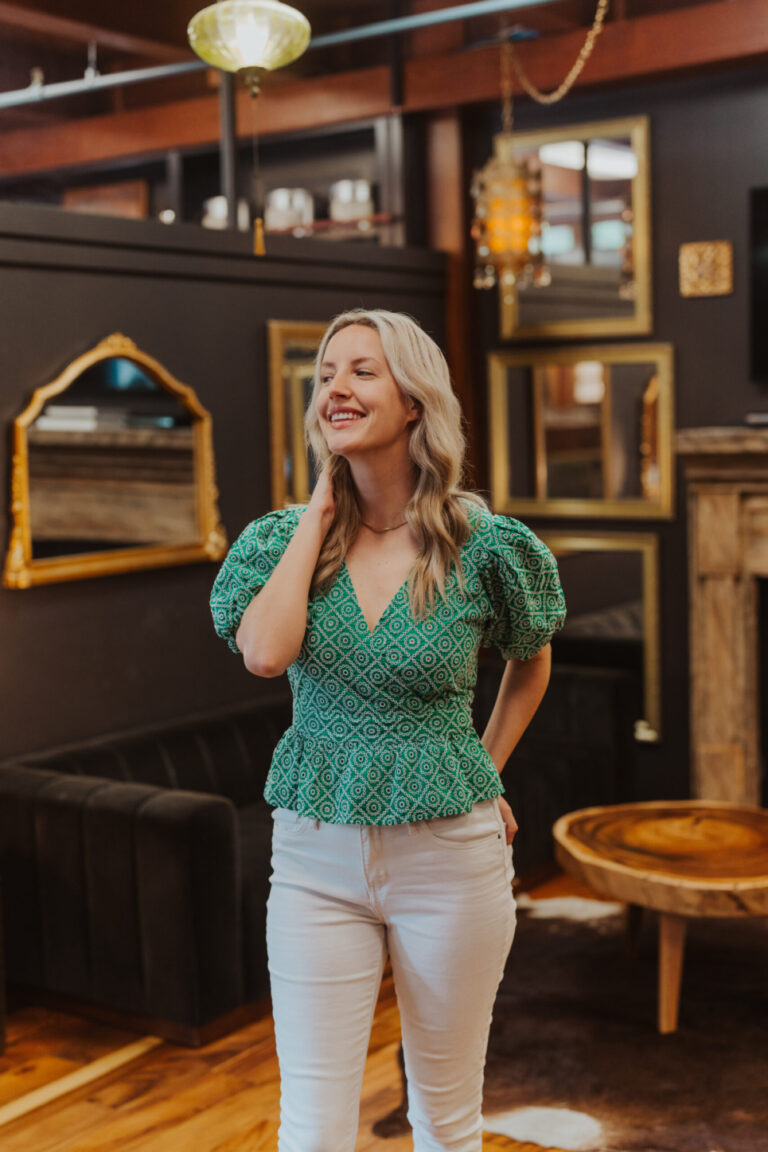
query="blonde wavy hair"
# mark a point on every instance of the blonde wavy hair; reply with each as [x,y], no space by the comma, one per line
[436,513]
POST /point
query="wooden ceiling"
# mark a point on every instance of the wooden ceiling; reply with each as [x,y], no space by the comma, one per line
[54,34]
[641,38]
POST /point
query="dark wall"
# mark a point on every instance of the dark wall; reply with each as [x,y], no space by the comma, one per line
[94,656]
[708,150]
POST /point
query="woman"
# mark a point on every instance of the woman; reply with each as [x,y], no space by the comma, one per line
[391,837]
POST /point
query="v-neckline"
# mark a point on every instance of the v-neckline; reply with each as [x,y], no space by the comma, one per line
[356,598]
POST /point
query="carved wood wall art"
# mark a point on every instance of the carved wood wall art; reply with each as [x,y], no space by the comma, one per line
[706,269]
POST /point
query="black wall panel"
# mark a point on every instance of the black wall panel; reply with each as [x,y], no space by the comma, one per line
[709,148]
[115,653]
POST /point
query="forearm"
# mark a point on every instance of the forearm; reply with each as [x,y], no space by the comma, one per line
[521,691]
[272,629]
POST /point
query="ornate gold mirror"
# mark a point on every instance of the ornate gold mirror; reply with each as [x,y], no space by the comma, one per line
[595,233]
[583,431]
[611,586]
[113,471]
[292,349]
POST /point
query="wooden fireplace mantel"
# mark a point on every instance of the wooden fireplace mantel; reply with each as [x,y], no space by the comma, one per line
[726,472]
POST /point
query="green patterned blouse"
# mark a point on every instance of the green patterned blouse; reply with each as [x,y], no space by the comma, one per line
[382,727]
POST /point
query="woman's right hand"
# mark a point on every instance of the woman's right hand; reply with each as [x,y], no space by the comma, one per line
[322,501]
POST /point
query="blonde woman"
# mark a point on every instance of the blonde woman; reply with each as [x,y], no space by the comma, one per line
[391,835]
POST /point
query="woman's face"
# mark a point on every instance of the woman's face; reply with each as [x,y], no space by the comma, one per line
[360,406]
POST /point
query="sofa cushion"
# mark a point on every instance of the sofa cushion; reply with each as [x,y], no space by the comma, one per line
[224,756]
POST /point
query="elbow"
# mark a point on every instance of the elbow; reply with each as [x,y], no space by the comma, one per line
[261,664]
[257,657]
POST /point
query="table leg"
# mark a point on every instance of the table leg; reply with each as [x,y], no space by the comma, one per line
[671,945]
[634,922]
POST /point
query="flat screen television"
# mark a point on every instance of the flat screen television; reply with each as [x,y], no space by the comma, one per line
[759,285]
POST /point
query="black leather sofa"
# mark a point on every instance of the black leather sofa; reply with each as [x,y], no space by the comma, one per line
[134,870]
[135,873]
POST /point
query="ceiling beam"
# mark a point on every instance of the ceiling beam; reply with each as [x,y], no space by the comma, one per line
[36,25]
[711,35]
[315,103]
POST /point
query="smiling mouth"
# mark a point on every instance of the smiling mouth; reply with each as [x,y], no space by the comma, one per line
[349,417]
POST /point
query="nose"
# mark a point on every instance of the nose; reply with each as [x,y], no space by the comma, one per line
[339,385]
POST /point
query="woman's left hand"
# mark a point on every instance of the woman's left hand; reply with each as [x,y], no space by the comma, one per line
[509,820]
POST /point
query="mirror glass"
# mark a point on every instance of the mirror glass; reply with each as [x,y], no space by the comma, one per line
[595,233]
[610,586]
[292,349]
[577,432]
[112,471]
[111,464]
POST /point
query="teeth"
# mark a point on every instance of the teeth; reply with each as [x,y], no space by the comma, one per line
[338,416]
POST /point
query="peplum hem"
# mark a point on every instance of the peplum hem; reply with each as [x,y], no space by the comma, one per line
[390,781]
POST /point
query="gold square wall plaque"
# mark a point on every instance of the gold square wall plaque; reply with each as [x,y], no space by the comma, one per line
[706,269]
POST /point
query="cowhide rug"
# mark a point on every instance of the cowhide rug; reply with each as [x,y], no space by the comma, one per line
[575,1060]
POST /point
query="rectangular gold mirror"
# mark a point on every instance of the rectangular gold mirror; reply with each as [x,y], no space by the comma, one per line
[611,586]
[595,233]
[582,431]
[292,349]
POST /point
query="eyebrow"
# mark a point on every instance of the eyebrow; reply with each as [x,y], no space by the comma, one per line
[357,360]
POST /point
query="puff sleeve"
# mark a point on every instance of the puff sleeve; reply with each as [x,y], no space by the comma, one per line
[247,567]
[523,586]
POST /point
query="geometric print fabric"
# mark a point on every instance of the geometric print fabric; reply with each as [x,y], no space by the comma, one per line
[382,727]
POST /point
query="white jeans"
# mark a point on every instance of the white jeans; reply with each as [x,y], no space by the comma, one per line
[436,896]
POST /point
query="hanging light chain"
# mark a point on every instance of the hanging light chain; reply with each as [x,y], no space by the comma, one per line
[507,116]
[584,55]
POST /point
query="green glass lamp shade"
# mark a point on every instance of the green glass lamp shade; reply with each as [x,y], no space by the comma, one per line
[251,34]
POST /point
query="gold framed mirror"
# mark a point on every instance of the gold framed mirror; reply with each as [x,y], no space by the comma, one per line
[113,471]
[611,586]
[292,349]
[596,233]
[583,431]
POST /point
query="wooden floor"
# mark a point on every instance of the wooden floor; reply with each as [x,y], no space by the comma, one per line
[88,1088]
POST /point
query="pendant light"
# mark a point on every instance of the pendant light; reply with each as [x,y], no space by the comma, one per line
[507,191]
[249,37]
[507,194]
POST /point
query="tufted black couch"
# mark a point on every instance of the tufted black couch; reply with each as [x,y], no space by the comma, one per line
[135,872]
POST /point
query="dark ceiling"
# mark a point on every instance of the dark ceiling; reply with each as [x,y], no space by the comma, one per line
[53,35]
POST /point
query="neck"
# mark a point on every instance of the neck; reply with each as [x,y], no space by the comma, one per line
[385,484]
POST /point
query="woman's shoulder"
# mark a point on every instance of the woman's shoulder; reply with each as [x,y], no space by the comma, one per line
[273,529]
[492,530]
[500,541]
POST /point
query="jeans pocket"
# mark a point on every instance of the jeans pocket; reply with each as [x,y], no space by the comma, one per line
[467,830]
[288,821]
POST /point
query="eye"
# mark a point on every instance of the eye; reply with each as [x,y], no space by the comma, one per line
[364,372]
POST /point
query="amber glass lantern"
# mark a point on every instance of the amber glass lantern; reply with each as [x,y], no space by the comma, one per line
[506,227]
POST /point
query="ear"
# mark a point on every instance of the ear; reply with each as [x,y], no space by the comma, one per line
[414,409]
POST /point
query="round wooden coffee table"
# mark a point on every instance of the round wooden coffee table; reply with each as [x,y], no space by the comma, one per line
[682,858]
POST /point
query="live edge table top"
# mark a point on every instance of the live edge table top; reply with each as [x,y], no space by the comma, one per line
[689,857]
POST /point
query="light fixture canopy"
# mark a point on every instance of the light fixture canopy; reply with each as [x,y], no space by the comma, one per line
[249,36]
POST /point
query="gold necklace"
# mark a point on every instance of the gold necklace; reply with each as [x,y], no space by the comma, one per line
[380,531]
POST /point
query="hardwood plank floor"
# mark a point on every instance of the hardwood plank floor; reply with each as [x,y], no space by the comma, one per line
[221,1098]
